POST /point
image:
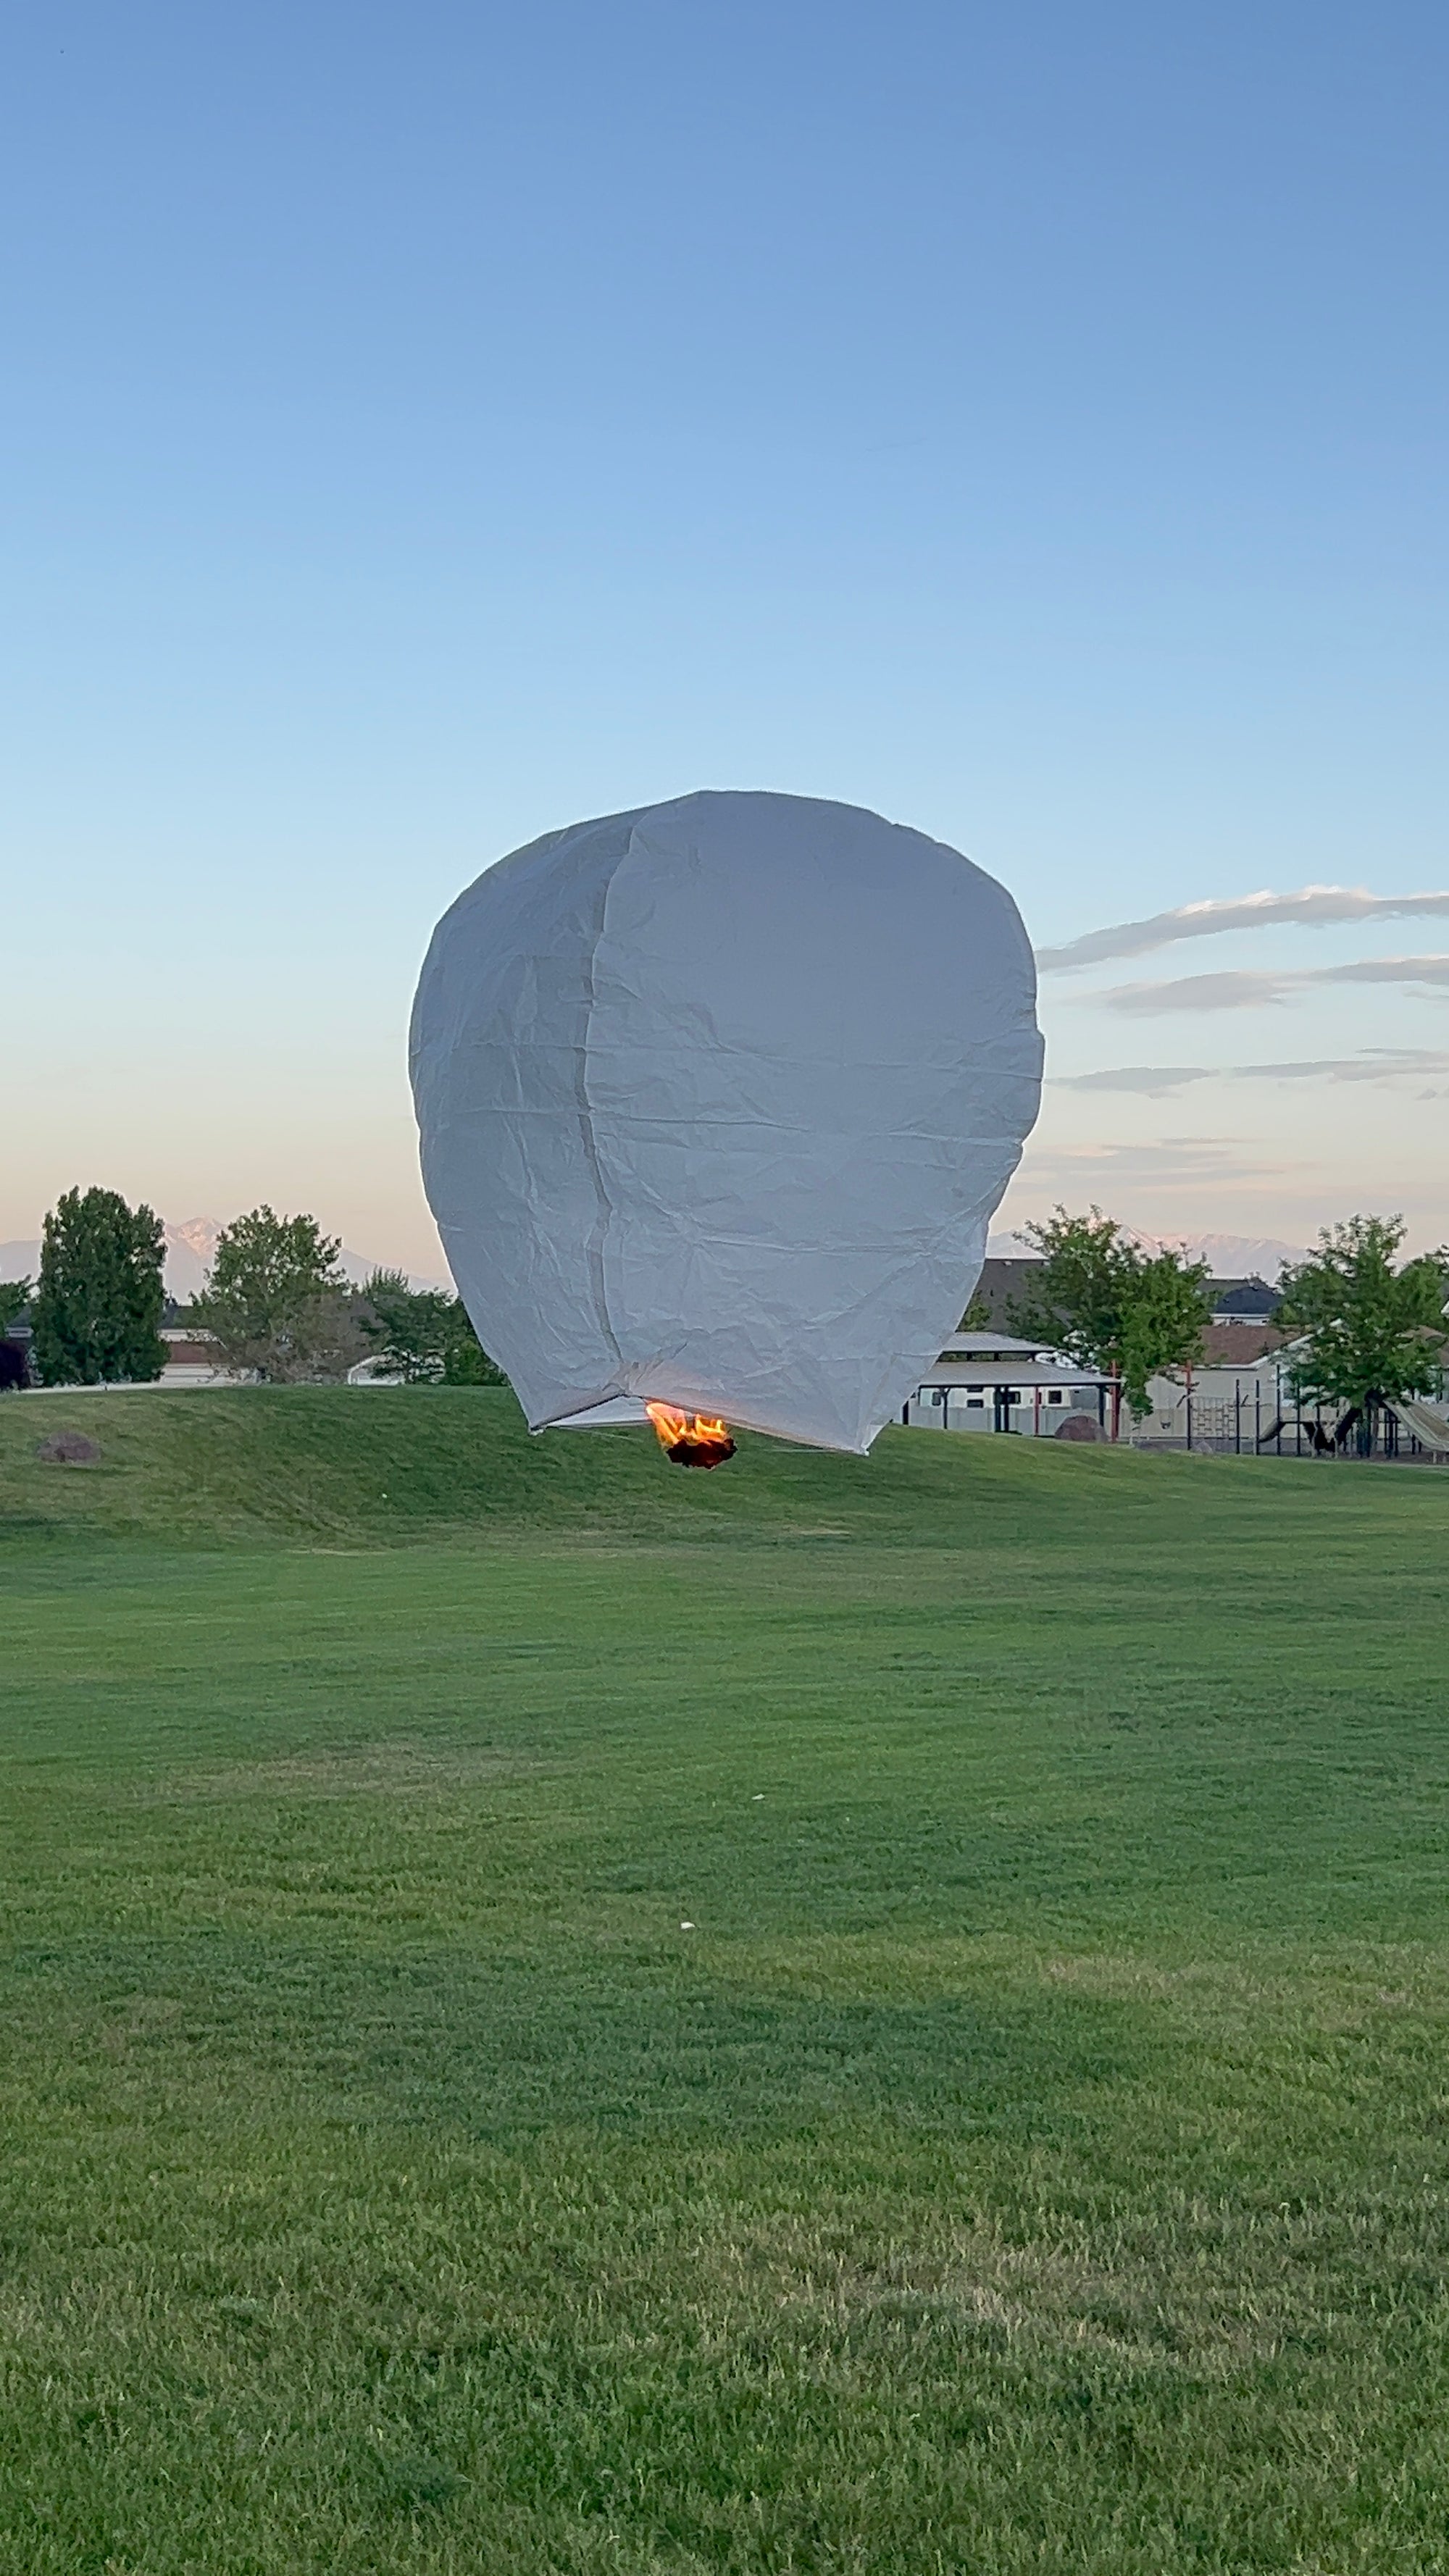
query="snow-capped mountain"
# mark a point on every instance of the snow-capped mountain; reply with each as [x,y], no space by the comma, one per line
[1228,1256]
[190,1252]
[1232,1256]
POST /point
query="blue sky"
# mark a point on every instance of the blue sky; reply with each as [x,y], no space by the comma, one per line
[426,427]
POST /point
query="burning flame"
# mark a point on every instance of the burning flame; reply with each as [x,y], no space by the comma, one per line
[691,1439]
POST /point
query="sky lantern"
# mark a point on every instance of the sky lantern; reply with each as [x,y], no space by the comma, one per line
[716,1101]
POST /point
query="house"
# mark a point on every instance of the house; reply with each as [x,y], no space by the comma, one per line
[1242,1301]
[192,1360]
[994,1382]
[1239,1345]
[1001,1284]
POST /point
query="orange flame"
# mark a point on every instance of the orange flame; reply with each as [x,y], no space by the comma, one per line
[691,1439]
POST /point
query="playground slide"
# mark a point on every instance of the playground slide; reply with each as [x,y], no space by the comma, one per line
[1430,1429]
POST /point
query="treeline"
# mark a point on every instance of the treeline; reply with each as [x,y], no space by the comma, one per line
[276,1305]
[1360,1326]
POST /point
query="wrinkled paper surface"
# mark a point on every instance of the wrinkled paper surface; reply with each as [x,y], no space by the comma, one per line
[716,1101]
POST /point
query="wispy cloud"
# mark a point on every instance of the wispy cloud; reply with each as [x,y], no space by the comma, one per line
[1180,1161]
[1429,972]
[1154,1081]
[1389,1066]
[1228,992]
[1314,907]
[1244,990]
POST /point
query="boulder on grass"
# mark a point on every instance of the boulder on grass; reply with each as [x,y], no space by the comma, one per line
[1079,1426]
[68,1449]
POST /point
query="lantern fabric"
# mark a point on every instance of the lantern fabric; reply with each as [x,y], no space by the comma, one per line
[716,1100]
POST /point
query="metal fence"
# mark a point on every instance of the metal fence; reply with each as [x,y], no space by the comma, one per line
[1255,1420]
[1269,1421]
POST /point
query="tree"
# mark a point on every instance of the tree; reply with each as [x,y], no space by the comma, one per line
[14,1297]
[1166,1311]
[465,1362]
[1109,1305]
[277,1303]
[1368,1334]
[423,1334]
[96,1309]
[405,1326]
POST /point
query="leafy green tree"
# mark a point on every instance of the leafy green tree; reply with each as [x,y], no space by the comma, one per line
[1110,1306]
[96,1310]
[405,1326]
[276,1302]
[465,1362]
[1368,1334]
[1167,1308]
[423,1334]
[14,1297]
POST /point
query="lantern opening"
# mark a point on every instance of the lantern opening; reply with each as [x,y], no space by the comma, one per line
[691,1439]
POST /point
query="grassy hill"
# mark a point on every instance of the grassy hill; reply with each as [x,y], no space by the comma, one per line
[383,1465]
[837,2017]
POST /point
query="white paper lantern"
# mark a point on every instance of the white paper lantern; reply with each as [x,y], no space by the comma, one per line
[716,1101]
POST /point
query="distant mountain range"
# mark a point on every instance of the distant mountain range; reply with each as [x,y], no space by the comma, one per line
[190,1252]
[191,1249]
[1229,1256]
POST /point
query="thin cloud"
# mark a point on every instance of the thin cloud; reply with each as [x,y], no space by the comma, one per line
[1425,977]
[1153,1081]
[1313,907]
[1389,1066]
[1425,972]
[1227,992]
[1183,1161]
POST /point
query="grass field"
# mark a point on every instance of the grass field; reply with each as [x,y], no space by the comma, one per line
[1033,2157]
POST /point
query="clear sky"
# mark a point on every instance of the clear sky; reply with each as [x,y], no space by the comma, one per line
[426,426]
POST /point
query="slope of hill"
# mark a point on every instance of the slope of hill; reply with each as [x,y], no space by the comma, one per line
[379,1465]
[387,1466]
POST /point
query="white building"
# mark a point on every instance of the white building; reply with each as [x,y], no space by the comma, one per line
[192,1359]
[993,1382]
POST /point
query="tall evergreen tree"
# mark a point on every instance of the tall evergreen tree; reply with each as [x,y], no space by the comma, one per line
[98,1305]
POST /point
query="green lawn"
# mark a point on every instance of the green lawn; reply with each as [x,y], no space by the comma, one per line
[1034,2157]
